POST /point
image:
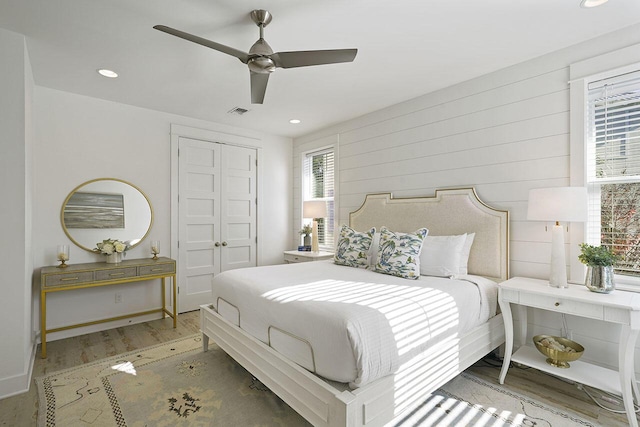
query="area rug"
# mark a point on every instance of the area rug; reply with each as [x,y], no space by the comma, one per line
[177,384]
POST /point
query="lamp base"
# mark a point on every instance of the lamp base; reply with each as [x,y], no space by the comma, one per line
[558,274]
[553,285]
[314,237]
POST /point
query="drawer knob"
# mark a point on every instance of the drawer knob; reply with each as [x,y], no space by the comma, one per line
[557,304]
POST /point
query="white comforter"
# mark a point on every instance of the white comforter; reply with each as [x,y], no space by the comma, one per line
[361,325]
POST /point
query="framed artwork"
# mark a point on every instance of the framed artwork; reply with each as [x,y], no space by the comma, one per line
[94,210]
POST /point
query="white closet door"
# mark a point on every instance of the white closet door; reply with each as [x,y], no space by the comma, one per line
[238,208]
[199,171]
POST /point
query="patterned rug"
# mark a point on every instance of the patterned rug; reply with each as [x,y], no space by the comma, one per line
[177,384]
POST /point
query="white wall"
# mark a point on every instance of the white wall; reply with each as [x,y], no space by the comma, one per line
[81,138]
[503,133]
[51,142]
[16,87]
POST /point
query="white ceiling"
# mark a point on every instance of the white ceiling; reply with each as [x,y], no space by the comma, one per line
[406,48]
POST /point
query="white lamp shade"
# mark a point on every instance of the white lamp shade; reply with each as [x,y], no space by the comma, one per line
[567,204]
[314,209]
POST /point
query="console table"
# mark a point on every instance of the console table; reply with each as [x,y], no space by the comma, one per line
[91,275]
[619,307]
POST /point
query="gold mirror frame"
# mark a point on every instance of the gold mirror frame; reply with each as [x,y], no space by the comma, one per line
[103,233]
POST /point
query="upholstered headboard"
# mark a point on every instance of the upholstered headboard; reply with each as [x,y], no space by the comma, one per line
[449,212]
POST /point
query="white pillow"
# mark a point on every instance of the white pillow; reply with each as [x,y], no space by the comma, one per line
[466,250]
[442,255]
[373,250]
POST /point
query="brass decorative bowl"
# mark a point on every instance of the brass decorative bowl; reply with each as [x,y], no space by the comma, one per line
[557,350]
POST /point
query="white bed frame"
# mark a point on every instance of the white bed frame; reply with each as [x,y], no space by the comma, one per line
[328,404]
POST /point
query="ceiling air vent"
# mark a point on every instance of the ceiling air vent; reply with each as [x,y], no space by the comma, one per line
[238,110]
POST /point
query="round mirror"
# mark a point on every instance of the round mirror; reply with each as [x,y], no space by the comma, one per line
[106,208]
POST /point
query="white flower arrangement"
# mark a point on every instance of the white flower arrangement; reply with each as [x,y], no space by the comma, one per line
[111,246]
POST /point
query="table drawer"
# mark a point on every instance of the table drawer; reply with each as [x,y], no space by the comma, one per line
[68,278]
[116,273]
[579,308]
[150,270]
[296,258]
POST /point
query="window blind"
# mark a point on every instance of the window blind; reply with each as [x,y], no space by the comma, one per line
[613,168]
[318,184]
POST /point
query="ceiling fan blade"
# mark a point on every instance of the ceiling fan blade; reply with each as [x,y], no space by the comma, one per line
[258,87]
[305,58]
[242,56]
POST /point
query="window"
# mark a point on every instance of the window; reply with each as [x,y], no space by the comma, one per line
[317,184]
[613,168]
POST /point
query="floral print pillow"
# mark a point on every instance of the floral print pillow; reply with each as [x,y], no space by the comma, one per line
[353,247]
[399,253]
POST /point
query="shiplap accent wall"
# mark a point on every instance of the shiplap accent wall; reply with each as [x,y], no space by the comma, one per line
[503,133]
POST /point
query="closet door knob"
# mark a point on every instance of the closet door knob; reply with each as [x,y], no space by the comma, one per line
[216,244]
[224,243]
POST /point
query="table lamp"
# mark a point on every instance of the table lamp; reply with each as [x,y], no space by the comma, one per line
[559,204]
[314,209]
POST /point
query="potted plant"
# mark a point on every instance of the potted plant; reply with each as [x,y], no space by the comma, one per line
[306,232]
[599,261]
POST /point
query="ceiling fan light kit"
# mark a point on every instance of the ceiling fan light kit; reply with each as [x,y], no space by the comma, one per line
[261,59]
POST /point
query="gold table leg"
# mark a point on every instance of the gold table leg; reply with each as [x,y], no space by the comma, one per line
[164,299]
[175,302]
[43,324]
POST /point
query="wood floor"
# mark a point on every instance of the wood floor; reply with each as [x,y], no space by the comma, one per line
[21,410]
[553,391]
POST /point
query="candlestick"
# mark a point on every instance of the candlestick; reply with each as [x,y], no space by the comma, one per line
[155,248]
[63,255]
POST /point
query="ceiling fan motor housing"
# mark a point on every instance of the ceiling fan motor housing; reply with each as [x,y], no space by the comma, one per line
[260,62]
[261,65]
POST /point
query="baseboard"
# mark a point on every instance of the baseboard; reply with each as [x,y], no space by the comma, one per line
[20,383]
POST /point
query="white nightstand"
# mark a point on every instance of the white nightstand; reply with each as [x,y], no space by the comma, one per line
[306,256]
[618,307]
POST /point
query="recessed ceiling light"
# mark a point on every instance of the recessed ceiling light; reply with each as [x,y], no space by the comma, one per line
[107,73]
[294,121]
[592,3]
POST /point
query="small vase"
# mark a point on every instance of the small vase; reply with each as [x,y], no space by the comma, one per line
[114,258]
[307,240]
[600,279]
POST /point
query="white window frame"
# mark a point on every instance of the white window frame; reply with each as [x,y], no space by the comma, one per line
[601,67]
[303,196]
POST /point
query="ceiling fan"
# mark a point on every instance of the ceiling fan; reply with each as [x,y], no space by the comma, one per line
[261,59]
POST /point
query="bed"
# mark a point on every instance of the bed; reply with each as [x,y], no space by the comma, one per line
[376,386]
